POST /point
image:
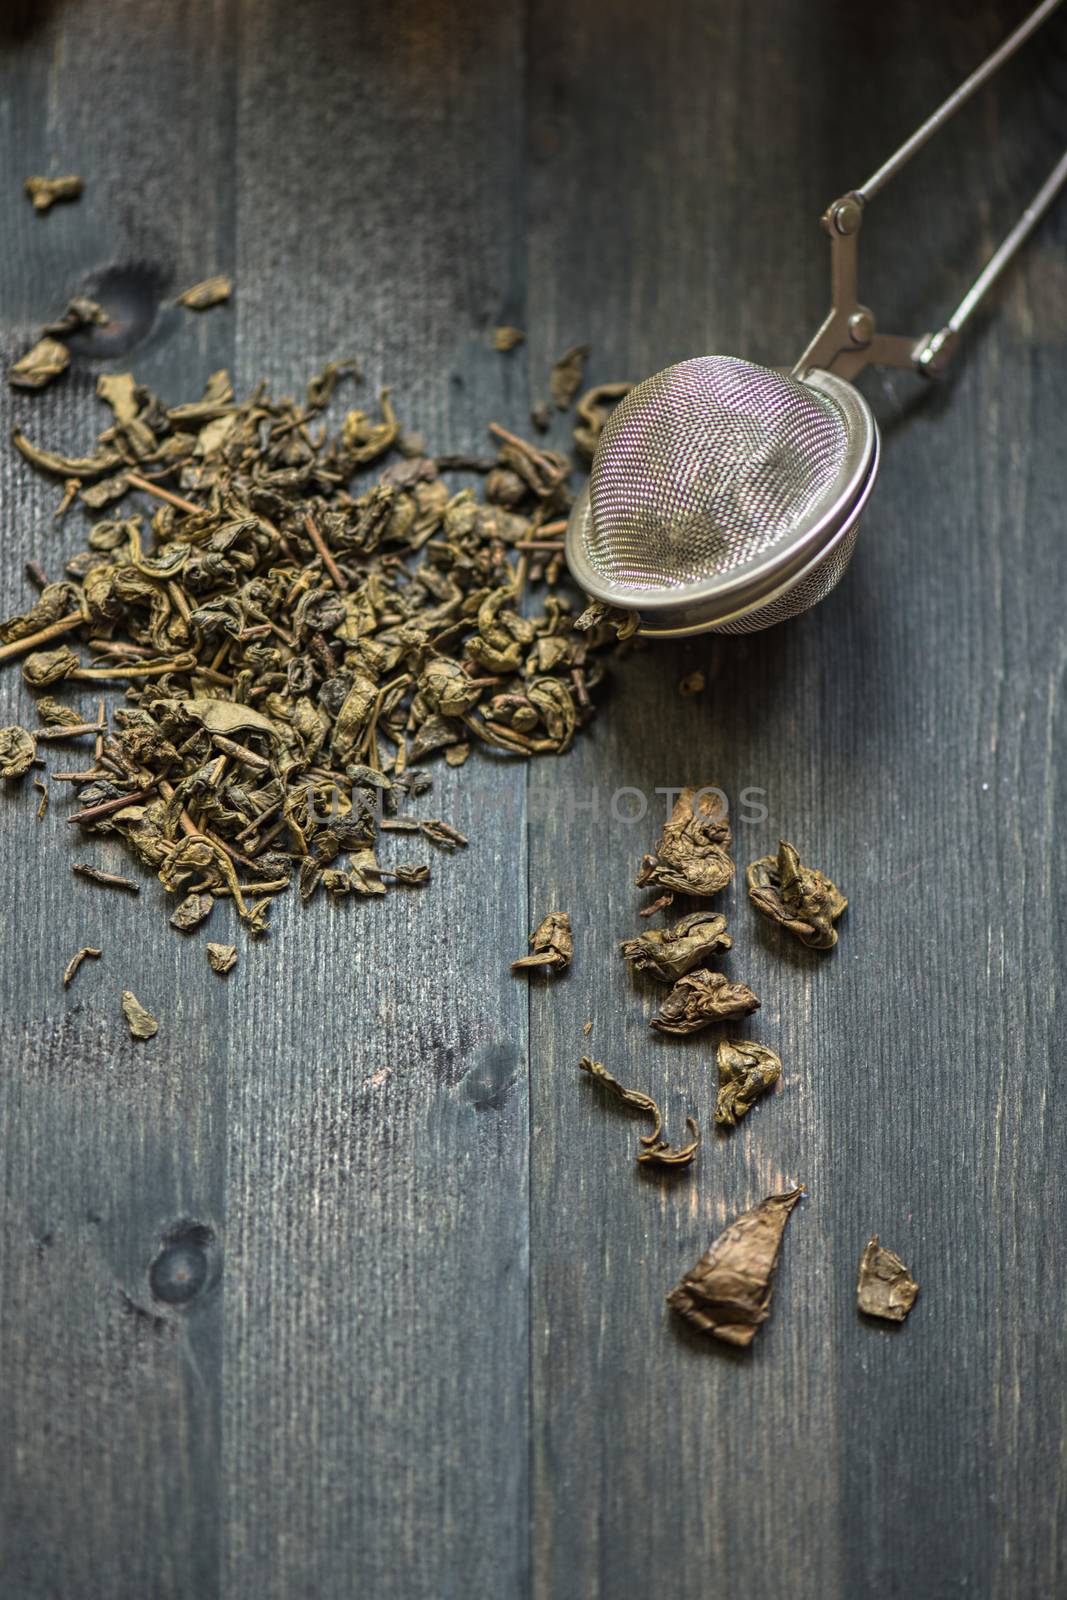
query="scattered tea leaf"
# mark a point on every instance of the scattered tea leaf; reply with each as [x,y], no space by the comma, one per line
[700,998]
[505,339]
[552,945]
[593,410]
[222,957]
[81,313]
[746,1070]
[39,366]
[86,951]
[565,378]
[192,911]
[885,1288]
[42,805]
[629,1097]
[693,855]
[662,1154]
[661,903]
[728,1292]
[202,296]
[587,1028]
[800,898]
[624,623]
[44,192]
[692,683]
[142,1023]
[18,752]
[669,953]
[110,880]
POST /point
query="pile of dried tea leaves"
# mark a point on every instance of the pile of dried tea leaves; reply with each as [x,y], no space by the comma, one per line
[293,640]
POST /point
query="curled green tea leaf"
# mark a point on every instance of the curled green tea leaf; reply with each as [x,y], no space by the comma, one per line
[693,855]
[746,1070]
[885,1287]
[701,998]
[669,953]
[728,1292]
[18,752]
[800,898]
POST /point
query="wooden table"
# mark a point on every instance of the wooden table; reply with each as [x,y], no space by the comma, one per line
[431,1356]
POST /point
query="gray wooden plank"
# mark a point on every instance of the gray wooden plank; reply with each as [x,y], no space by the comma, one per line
[110,1408]
[376,1333]
[905,734]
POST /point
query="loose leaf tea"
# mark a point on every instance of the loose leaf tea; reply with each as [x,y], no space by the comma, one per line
[565,378]
[110,880]
[552,944]
[86,951]
[662,1154]
[191,912]
[202,296]
[222,957]
[728,1292]
[692,683]
[885,1288]
[700,998]
[800,898]
[593,410]
[81,313]
[18,752]
[39,366]
[505,339]
[669,953]
[693,856]
[291,638]
[142,1023]
[629,1097]
[44,192]
[746,1070]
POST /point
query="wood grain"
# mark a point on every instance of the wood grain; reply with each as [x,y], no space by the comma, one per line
[431,1358]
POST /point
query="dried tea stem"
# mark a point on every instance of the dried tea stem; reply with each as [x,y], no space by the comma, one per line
[86,951]
[110,880]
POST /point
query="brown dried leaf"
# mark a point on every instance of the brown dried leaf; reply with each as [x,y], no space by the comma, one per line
[142,1023]
[728,1292]
[885,1287]
[634,1098]
[552,945]
[222,957]
[662,1154]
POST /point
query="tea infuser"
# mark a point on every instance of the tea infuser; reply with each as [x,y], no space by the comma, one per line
[725,496]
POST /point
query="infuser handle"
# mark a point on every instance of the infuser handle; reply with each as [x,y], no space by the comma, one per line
[848,339]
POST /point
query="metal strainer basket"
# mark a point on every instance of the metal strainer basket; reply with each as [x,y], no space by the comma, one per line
[725,496]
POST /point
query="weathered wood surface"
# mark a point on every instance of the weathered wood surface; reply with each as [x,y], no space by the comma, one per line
[431,1357]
